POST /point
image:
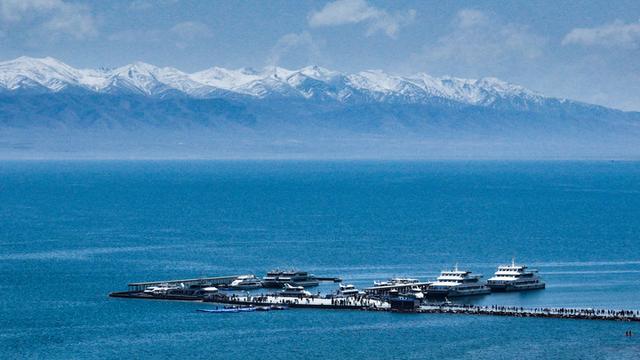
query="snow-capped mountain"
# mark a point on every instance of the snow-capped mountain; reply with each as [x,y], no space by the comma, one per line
[26,74]
[50,109]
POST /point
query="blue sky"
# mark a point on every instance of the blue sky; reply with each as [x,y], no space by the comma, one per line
[584,50]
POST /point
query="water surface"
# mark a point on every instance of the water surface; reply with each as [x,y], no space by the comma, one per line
[71,232]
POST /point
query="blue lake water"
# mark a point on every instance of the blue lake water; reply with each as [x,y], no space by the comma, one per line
[71,232]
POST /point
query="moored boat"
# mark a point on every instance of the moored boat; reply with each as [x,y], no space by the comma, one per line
[348,291]
[294,291]
[246,282]
[515,277]
[453,283]
[278,278]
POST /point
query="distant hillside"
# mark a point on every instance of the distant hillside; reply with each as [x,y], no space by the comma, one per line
[49,109]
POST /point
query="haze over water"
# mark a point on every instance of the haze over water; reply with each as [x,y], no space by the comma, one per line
[71,232]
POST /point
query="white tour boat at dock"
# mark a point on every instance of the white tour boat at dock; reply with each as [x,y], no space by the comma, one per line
[457,283]
[515,278]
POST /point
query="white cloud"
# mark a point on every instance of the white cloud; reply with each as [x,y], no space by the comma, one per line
[302,43]
[478,44]
[616,34]
[344,12]
[48,17]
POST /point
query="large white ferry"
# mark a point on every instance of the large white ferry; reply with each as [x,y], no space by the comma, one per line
[456,282]
[514,278]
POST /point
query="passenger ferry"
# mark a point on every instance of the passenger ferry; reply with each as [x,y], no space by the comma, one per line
[457,283]
[515,278]
[278,278]
[294,291]
[246,282]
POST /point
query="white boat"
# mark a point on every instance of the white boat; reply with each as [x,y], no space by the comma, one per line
[396,281]
[162,289]
[246,282]
[149,290]
[294,291]
[515,278]
[402,285]
[457,282]
[209,290]
[416,293]
[349,290]
[277,279]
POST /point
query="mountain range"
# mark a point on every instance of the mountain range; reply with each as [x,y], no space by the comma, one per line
[50,109]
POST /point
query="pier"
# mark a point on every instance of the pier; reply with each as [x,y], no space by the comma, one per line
[378,305]
[542,312]
[370,304]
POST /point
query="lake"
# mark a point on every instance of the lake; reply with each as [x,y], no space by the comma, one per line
[73,231]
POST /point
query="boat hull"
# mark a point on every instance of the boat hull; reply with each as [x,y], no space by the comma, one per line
[457,293]
[515,287]
[246,287]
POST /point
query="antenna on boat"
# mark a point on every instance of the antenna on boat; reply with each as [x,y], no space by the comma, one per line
[456,267]
[513,261]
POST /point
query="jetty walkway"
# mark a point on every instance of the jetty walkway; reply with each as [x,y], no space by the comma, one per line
[352,303]
[541,312]
[378,305]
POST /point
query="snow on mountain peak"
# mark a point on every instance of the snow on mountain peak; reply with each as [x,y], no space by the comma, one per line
[47,73]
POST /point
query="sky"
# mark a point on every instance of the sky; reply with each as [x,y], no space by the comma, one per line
[582,50]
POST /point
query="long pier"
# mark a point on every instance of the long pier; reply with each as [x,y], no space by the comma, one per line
[364,303]
[378,305]
[305,302]
[542,312]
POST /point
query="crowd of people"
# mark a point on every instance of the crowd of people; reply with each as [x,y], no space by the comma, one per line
[539,312]
[366,303]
